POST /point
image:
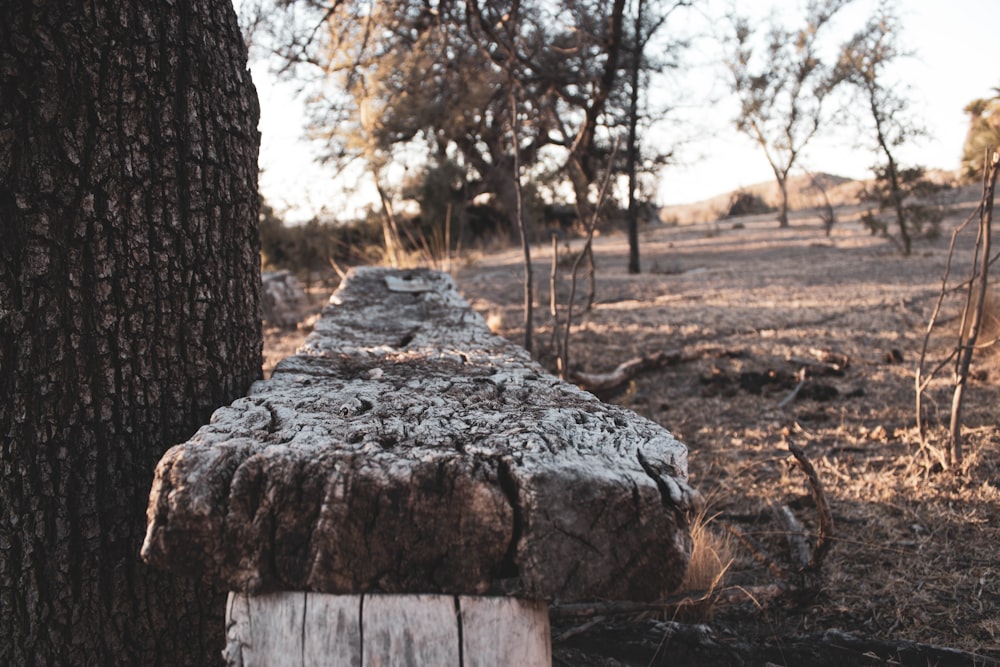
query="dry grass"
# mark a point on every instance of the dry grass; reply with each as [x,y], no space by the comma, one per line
[711,556]
[915,550]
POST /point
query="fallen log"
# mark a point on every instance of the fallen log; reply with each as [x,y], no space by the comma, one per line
[406,451]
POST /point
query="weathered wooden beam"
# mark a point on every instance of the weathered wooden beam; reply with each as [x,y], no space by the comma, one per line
[407,450]
[298,629]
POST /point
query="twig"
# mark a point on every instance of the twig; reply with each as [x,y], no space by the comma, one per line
[804,581]
[795,392]
[920,383]
[336,267]
[576,629]
[972,315]
[587,247]
[825,533]
[554,306]
[519,213]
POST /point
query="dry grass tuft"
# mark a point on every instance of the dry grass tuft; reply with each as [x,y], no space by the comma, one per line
[494,321]
[711,556]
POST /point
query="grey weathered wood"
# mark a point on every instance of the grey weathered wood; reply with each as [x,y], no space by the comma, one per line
[316,629]
[261,627]
[405,449]
[410,631]
[505,631]
[329,623]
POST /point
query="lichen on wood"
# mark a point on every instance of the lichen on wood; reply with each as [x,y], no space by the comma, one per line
[405,449]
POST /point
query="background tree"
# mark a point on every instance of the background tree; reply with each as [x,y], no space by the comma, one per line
[647,18]
[579,67]
[983,135]
[638,45]
[401,82]
[863,62]
[129,310]
[429,84]
[782,87]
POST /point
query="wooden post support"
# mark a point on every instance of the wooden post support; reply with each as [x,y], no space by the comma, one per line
[285,629]
[410,489]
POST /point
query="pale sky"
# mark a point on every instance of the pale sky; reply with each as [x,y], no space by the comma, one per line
[954,62]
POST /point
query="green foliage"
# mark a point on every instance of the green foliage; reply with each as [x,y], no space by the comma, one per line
[911,203]
[983,135]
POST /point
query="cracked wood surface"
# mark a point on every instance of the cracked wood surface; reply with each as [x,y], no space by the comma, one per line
[405,449]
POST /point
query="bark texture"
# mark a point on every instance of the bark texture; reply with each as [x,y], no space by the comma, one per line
[129,309]
[405,449]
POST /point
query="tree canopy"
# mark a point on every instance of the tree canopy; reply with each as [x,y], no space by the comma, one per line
[983,135]
[782,83]
[863,64]
[430,83]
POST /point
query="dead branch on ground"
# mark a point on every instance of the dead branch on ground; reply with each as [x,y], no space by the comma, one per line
[604,382]
[802,581]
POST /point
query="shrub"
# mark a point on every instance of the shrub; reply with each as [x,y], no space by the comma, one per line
[308,249]
[915,206]
[746,203]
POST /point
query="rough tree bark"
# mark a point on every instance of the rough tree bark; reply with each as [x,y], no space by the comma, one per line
[406,450]
[129,309]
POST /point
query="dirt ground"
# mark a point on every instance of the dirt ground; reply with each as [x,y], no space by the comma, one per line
[755,309]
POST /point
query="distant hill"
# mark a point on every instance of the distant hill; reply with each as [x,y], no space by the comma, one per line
[804,191]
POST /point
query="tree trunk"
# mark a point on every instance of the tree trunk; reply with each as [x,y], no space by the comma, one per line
[633,142]
[897,197]
[783,211]
[896,192]
[129,310]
